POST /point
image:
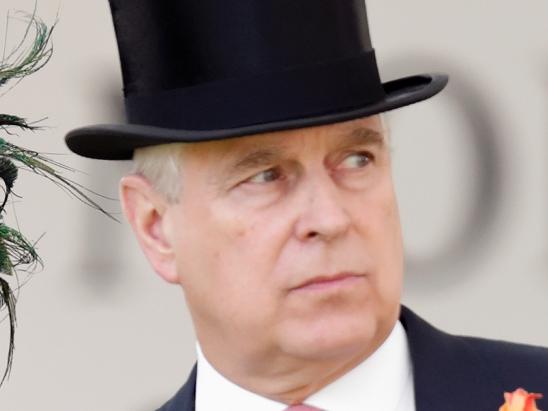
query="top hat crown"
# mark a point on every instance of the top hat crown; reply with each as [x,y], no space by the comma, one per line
[212,69]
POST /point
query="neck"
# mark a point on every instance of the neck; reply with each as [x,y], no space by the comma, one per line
[297,386]
[288,380]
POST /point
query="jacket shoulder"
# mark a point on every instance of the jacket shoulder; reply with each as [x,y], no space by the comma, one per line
[454,373]
[517,365]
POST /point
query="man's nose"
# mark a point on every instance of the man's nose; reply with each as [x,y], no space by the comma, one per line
[323,212]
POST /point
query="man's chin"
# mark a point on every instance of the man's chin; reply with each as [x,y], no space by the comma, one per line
[333,338]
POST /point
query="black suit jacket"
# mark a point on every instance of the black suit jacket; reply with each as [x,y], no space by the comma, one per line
[451,373]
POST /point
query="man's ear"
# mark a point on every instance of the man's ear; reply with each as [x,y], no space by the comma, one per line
[146,212]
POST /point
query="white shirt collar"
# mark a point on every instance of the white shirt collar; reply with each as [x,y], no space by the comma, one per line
[381,382]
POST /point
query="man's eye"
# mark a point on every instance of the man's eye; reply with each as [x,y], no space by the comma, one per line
[357,160]
[265,176]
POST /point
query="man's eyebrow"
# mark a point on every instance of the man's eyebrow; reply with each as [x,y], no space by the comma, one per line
[257,158]
[364,135]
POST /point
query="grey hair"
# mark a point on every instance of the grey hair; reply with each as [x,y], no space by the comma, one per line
[160,165]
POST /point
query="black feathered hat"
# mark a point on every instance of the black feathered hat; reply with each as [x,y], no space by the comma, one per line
[198,70]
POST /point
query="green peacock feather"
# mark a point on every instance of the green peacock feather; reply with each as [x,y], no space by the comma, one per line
[23,61]
[16,252]
[7,121]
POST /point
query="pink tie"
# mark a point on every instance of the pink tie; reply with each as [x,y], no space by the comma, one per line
[302,407]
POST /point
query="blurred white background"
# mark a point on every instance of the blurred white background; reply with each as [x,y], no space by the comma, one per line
[97,330]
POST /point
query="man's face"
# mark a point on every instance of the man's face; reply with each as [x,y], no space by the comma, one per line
[288,243]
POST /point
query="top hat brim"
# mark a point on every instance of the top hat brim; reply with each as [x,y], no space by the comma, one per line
[118,141]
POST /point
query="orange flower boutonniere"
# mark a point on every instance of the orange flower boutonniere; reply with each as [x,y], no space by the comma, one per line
[520,400]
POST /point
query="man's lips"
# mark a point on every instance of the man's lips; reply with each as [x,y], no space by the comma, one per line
[329,281]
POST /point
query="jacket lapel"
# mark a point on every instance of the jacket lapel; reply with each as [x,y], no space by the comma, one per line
[448,373]
[185,398]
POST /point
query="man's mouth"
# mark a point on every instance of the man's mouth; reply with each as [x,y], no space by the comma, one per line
[326,282]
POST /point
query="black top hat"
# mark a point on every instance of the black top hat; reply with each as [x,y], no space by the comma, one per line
[197,70]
